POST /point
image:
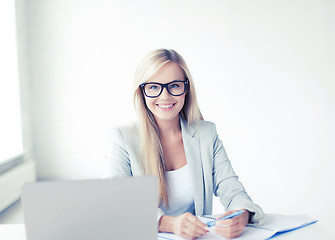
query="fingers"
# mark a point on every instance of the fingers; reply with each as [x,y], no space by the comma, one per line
[199,223]
[229,232]
[240,219]
[190,227]
[225,214]
[229,222]
[232,228]
[196,227]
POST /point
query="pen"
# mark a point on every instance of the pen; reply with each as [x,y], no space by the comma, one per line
[235,214]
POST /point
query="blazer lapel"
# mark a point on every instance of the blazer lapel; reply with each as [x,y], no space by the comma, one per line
[193,157]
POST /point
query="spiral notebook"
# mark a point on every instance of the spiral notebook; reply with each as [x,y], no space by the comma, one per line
[273,224]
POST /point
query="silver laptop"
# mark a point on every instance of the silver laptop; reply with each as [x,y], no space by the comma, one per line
[119,208]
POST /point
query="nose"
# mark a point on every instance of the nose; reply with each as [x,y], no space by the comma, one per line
[165,93]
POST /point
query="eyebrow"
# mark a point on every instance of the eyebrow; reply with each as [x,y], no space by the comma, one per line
[166,83]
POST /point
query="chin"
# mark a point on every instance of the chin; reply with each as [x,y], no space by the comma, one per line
[159,117]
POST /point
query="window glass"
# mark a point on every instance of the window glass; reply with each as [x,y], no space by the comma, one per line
[10,113]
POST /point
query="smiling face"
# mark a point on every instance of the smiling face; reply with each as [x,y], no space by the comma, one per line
[166,107]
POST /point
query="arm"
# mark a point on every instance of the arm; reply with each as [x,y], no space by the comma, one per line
[118,161]
[122,157]
[227,186]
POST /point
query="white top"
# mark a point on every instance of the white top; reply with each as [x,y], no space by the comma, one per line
[180,192]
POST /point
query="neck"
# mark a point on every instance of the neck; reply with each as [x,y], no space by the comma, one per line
[167,128]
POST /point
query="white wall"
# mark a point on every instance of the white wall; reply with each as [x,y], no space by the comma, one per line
[263,74]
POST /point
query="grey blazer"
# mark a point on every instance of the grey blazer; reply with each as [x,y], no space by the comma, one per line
[206,157]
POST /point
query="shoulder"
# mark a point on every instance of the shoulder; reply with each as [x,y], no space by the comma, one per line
[198,128]
[124,133]
[205,124]
[205,128]
[206,132]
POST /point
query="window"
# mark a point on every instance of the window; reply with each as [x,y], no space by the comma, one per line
[10,111]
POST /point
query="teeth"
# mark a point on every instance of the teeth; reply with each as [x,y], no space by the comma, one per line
[165,106]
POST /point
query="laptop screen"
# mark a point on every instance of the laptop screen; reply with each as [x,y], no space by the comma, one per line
[119,208]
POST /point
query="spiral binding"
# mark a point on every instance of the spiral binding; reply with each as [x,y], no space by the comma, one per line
[259,227]
[209,217]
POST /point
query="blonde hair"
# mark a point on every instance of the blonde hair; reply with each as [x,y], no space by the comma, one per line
[151,147]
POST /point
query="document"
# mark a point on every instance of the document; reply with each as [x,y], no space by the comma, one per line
[273,224]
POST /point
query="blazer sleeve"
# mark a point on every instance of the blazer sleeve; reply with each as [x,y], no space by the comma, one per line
[227,186]
[119,162]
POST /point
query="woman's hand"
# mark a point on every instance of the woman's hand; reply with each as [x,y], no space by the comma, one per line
[186,225]
[233,227]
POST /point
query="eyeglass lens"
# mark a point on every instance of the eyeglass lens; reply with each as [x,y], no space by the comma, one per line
[174,88]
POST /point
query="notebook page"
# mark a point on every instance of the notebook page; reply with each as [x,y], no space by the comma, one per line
[273,223]
[253,232]
[279,222]
[250,233]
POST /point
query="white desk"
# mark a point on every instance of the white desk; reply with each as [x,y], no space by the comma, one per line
[312,232]
[12,232]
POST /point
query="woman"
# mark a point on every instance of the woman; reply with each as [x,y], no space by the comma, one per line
[173,142]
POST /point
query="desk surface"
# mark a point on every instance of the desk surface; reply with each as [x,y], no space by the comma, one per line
[311,232]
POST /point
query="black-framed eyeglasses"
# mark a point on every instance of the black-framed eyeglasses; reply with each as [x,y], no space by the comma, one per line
[154,89]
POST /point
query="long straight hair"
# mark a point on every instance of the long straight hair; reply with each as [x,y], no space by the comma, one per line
[151,147]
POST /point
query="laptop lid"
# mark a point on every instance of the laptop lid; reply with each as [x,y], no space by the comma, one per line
[119,208]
